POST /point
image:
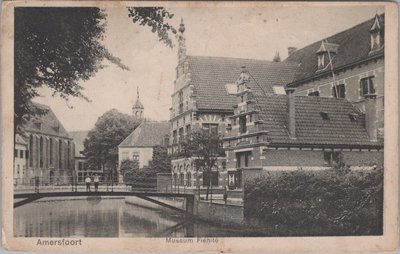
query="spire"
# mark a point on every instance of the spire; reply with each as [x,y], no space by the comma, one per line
[137,109]
[182,44]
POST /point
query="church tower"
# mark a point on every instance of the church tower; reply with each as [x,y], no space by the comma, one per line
[137,109]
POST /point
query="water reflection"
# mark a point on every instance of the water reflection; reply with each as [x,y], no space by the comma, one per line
[104,218]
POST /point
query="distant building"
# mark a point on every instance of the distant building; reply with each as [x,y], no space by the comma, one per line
[21,155]
[81,168]
[358,64]
[288,132]
[50,149]
[140,143]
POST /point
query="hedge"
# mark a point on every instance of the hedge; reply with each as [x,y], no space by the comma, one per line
[316,203]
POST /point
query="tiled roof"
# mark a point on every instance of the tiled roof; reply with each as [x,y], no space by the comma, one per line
[209,75]
[311,128]
[46,124]
[354,45]
[147,134]
[78,138]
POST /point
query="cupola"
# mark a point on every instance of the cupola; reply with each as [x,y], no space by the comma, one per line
[137,109]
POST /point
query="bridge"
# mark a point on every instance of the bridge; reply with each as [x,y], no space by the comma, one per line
[29,197]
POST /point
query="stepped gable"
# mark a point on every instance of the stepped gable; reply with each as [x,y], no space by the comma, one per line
[354,46]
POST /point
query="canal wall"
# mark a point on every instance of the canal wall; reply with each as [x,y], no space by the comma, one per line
[219,212]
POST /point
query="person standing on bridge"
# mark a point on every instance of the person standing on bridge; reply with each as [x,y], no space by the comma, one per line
[96,182]
[88,181]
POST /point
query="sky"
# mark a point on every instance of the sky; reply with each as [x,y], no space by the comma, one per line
[240,32]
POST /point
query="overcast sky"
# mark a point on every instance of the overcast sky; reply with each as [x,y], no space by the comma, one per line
[233,32]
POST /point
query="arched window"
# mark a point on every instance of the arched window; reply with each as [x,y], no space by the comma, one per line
[59,153]
[51,151]
[30,150]
[68,154]
[41,152]
[189,179]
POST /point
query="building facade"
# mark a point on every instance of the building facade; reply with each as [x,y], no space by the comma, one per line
[288,132]
[200,101]
[347,65]
[21,155]
[50,149]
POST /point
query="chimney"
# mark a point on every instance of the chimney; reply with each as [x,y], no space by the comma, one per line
[371,119]
[291,116]
[291,50]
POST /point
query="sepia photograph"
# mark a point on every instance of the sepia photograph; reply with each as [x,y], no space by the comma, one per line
[198,123]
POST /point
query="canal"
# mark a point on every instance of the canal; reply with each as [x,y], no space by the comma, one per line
[107,218]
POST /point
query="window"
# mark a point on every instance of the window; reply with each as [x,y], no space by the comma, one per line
[181,134]
[51,151]
[59,154]
[279,90]
[210,177]
[321,61]
[324,115]
[80,165]
[189,179]
[211,128]
[242,124]
[41,151]
[68,154]
[332,158]
[27,154]
[315,93]
[125,155]
[180,98]
[21,154]
[16,153]
[367,86]
[31,150]
[243,159]
[182,179]
[174,137]
[135,157]
[188,130]
[341,91]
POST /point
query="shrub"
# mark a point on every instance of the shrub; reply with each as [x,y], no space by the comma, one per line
[330,202]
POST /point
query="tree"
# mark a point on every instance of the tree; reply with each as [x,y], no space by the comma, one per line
[205,147]
[128,169]
[101,144]
[161,161]
[58,47]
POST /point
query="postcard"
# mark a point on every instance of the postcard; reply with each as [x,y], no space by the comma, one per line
[141,126]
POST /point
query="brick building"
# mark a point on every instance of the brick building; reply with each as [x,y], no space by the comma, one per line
[287,132]
[357,56]
[50,153]
[200,101]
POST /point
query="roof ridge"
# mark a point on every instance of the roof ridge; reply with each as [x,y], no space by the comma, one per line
[332,35]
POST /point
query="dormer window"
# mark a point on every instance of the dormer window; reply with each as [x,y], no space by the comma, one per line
[326,53]
[324,115]
[376,32]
